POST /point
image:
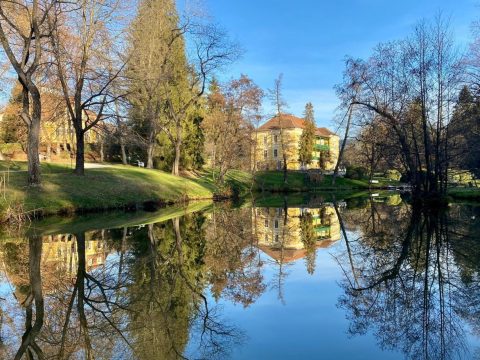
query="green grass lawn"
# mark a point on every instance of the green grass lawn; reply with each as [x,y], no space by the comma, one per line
[102,188]
[297,181]
[119,186]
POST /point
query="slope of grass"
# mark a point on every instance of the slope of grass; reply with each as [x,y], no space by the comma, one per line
[297,181]
[103,188]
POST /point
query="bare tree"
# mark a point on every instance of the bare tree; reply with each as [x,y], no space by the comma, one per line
[407,85]
[22,31]
[280,104]
[228,124]
[88,65]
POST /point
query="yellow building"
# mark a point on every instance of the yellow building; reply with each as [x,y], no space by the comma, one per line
[284,240]
[60,251]
[282,134]
[57,133]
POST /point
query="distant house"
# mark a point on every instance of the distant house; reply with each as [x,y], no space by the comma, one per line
[57,133]
[282,134]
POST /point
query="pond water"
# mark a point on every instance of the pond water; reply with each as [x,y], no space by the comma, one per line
[364,278]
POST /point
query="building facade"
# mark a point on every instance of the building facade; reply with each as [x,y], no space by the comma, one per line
[57,134]
[281,134]
[280,236]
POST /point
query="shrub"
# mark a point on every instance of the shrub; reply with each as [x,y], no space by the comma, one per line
[356,172]
[393,174]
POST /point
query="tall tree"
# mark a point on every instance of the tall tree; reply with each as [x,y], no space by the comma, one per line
[279,103]
[83,40]
[22,33]
[228,124]
[166,85]
[307,139]
[379,89]
[464,130]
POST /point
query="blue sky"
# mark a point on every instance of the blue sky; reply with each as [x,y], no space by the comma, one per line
[307,40]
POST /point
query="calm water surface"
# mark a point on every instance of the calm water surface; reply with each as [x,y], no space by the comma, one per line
[368,278]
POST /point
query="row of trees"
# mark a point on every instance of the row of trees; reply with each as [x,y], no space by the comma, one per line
[146,83]
[142,79]
[404,103]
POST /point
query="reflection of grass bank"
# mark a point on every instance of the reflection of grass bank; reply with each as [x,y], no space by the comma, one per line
[306,199]
[112,220]
[465,193]
[353,199]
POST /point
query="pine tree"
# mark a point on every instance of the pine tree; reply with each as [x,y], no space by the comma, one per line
[307,139]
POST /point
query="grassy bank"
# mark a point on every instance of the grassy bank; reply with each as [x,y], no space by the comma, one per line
[128,187]
[300,182]
[101,188]
[118,186]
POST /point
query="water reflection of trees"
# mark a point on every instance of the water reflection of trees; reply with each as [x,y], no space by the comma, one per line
[233,257]
[412,278]
[145,302]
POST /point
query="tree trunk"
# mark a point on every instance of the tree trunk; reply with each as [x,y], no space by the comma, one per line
[178,147]
[102,152]
[33,143]
[80,154]
[123,151]
[176,162]
[49,152]
[150,156]
[150,149]
[342,148]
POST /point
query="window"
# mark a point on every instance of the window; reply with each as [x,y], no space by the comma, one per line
[275,153]
[266,238]
[276,238]
[276,224]
[275,139]
[265,140]
[265,154]
[266,223]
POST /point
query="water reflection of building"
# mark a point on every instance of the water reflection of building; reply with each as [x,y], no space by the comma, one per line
[59,261]
[281,237]
[61,251]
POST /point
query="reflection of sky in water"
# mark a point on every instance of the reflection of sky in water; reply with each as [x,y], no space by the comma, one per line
[308,322]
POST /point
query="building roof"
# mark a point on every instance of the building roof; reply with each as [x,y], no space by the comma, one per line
[291,255]
[288,121]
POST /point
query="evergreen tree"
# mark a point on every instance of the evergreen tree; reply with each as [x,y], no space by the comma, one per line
[194,139]
[464,131]
[158,73]
[309,240]
[307,140]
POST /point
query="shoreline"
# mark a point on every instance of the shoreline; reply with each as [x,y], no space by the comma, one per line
[129,189]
